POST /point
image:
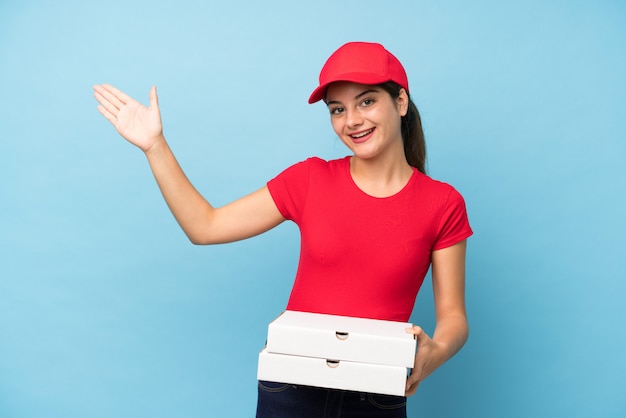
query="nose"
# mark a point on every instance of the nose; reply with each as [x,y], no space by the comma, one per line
[353,118]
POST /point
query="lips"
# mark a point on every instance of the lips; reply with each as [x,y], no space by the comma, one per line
[362,136]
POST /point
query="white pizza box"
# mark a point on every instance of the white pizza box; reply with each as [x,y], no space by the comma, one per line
[342,338]
[335,374]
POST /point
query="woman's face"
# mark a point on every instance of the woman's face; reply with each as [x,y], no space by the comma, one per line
[367,119]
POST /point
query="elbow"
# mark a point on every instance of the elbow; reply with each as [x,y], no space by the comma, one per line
[465,335]
[200,230]
[197,239]
[200,241]
[203,238]
[464,330]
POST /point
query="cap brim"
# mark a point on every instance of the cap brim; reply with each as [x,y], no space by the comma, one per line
[318,93]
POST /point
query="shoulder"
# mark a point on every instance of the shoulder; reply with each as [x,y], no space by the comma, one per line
[432,185]
[312,167]
[319,166]
[294,186]
[319,163]
[438,193]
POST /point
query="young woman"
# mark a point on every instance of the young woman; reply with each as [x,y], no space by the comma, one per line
[371,223]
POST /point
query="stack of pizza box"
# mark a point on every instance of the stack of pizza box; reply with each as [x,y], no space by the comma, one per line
[339,352]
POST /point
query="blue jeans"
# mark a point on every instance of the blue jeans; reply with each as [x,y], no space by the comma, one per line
[281,400]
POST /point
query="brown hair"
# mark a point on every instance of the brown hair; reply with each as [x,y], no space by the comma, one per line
[412,132]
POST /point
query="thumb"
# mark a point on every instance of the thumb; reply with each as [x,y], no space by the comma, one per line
[415,330]
[419,334]
[154,99]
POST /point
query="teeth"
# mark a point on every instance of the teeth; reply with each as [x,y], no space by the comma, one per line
[362,134]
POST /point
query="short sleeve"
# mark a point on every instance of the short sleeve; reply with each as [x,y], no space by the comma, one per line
[289,190]
[453,225]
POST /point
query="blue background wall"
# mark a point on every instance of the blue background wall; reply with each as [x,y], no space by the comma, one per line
[107,311]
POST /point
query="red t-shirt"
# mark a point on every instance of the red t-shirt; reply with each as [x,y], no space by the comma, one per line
[360,255]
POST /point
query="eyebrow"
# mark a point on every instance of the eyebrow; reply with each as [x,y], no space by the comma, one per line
[358,96]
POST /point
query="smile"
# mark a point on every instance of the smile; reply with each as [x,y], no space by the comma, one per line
[362,134]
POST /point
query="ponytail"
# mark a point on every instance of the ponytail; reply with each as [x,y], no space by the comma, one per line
[412,132]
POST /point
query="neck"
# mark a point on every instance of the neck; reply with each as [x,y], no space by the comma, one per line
[380,177]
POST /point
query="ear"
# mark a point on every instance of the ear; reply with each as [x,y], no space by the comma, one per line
[403,102]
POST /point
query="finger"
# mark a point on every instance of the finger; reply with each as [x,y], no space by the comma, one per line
[119,94]
[411,390]
[106,105]
[415,330]
[154,99]
[110,117]
[411,385]
[106,97]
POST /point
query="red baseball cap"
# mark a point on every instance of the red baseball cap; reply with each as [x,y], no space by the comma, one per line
[363,63]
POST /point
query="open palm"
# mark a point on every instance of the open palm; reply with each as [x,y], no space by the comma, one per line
[138,124]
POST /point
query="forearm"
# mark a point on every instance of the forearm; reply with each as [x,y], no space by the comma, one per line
[192,212]
[448,274]
[450,335]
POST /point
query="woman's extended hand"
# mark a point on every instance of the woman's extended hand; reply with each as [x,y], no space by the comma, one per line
[138,124]
[427,359]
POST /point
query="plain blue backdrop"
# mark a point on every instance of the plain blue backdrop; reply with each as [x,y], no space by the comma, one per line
[106,310]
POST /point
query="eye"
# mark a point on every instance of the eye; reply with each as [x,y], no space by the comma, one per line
[367,102]
[336,110]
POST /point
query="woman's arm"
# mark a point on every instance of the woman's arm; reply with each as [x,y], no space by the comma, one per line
[451,330]
[203,223]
